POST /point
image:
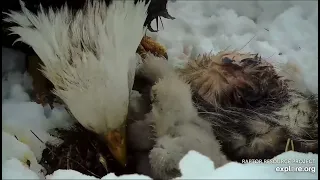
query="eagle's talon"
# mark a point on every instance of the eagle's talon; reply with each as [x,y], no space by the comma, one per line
[166,14]
[157,22]
[151,29]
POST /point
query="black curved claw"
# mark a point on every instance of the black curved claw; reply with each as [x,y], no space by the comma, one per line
[157,22]
[166,14]
[151,29]
[157,9]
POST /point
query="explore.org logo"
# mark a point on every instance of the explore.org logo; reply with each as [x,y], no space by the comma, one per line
[311,169]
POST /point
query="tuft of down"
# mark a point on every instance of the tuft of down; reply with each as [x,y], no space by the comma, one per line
[154,68]
[177,126]
[87,55]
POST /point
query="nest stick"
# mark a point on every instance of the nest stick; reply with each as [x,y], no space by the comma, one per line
[289,142]
[68,158]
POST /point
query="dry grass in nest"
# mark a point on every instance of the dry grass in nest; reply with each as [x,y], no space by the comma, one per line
[230,78]
[147,44]
[84,152]
[289,143]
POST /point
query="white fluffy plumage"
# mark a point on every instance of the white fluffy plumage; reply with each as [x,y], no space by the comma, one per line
[179,129]
[90,57]
[176,124]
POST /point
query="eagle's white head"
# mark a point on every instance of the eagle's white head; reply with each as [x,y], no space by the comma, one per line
[90,57]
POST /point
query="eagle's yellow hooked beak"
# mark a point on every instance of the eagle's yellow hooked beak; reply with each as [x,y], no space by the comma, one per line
[116,140]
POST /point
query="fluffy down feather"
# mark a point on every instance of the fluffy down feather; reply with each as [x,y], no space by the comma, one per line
[154,68]
[177,126]
[141,140]
[87,56]
[140,134]
[253,111]
[138,107]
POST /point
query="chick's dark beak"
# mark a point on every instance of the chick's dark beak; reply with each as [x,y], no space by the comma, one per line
[116,140]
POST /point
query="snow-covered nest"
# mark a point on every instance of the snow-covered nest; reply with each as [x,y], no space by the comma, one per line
[192,166]
[284,32]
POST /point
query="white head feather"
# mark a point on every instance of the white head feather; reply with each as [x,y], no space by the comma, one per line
[87,56]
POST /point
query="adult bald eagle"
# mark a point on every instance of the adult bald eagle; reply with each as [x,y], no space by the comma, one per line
[89,55]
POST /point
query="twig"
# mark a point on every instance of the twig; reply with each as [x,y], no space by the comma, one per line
[289,141]
[83,167]
[103,162]
[77,150]
[93,146]
[270,56]
[292,146]
[37,136]
[51,151]
[59,162]
[247,42]
[227,48]
[68,157]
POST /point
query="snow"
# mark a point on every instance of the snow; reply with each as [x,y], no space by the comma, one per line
[14,169]
[130,176]
[289,28]
[195,165]
[71,174]
[12,148]
[283,32]
[27,120]
[20,116]
[68,174]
